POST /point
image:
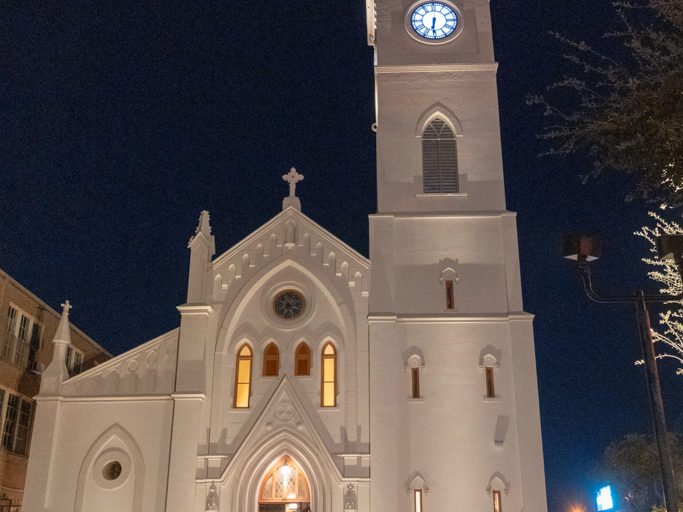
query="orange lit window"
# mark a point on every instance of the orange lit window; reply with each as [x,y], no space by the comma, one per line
[285,483]
[243,377]
[328,380]
[490,387]
[497,504]
[271,360]
[417,493]
[302,360]
[415,381]
[450,302]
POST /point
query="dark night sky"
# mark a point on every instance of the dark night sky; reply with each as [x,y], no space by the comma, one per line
[120,123]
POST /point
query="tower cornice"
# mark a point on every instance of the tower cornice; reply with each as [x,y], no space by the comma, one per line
[437,68]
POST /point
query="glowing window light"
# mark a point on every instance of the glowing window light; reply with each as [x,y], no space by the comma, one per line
[418,500]
[604,499]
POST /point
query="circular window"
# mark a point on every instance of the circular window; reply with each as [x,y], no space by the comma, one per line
[288,304]
[112,470]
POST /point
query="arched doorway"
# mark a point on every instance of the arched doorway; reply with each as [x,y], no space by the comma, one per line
[284,488]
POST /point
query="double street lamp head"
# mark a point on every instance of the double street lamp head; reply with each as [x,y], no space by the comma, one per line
[584,249]
[581,248]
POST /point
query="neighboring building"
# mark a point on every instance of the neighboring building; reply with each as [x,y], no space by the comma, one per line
[301,377]
[27,328]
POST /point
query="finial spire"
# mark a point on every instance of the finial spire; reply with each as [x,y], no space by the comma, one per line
[56,372]
[292,177]
[63,334]
[203,232]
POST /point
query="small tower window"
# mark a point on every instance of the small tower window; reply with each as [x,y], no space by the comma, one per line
[302,360]
[439,159]
[328,384]
[415,382]
[497,503]
[271,360]
[450,302]
[417,494]
[490,386]
[243,377]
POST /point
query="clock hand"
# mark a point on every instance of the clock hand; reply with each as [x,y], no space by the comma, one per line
[433,23]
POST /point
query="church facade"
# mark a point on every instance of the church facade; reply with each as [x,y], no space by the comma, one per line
[304,376]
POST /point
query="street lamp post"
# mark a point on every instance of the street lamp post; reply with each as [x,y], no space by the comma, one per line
[584,250]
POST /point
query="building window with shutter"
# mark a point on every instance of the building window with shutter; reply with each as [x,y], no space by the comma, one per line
[271,360]
[302,360]
[439,159]
[20,341]
[16,416]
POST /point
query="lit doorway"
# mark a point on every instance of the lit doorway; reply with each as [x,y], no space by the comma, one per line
[285,488]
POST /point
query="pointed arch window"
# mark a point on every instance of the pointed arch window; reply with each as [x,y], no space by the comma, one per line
[285,483]
[439,159]
[271,360]
[243,377]
[302,359]
[328,376]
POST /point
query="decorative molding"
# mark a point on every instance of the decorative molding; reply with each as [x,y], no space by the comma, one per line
[290,234]
[437,68]
[441,215]
[148,369]
[450,319]
[503,483]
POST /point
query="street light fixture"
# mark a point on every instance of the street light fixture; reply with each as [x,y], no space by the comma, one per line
[584,250]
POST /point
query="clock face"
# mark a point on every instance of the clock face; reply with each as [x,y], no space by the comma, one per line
[434,20]
[288,304]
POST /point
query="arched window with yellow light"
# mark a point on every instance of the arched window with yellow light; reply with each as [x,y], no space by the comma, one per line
[243,377]
[328,376]
[285,483]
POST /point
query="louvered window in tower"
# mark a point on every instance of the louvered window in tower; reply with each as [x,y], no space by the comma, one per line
[439,159]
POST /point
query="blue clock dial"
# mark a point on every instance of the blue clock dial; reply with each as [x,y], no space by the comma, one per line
[434,20]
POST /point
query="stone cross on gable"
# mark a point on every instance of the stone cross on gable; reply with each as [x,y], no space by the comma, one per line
[66,307]
[292,177]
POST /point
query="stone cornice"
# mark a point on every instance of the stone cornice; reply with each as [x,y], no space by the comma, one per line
[449,319]
[437,68]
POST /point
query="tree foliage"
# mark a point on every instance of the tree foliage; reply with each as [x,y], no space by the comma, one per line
[624,107]
[632,463]
[669,335]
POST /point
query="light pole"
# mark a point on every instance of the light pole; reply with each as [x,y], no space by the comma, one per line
[584,250]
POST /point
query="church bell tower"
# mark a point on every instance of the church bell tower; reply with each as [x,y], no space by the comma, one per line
[454,399]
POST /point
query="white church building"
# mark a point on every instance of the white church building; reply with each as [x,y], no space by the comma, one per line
[306,377]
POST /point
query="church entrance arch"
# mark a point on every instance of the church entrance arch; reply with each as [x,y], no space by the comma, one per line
[284,488]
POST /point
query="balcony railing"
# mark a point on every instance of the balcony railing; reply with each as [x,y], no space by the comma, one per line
[14,349]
